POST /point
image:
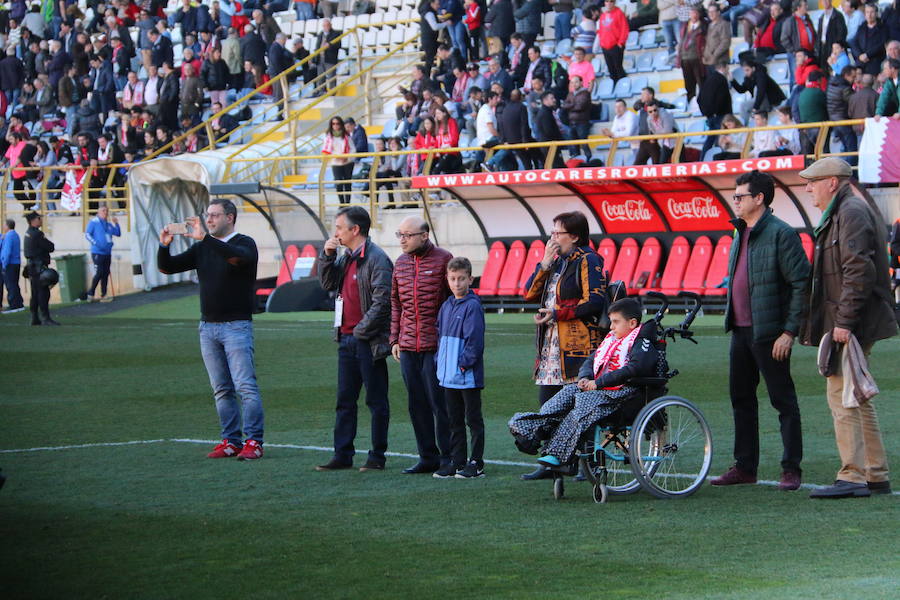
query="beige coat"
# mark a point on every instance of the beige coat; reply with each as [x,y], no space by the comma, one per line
[231,54]
[666,10]
[718,42]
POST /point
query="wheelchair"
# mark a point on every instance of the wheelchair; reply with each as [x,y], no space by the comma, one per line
[655,441]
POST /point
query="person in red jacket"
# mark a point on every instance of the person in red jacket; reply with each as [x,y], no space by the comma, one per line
[447,135]
[418,289]
[612,33]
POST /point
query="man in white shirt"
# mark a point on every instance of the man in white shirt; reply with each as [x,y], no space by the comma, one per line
[151,89]
[624,124]
[486,122]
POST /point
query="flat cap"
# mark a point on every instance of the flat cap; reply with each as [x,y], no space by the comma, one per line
[31,216]
[827,167]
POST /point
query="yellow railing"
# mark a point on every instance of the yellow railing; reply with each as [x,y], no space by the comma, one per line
[551,147]
[282,80]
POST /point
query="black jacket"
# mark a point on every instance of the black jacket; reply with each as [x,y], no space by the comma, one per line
[714,98]
[215,75]
[374,277]
[837,32]
[643,361]
[162,52]
[253,48]
[12,73]
[500,17]
[37,246]
[513,124]
[330,56]
[871,43]
[169,92]
[837,98]
[547,128]
[56,68]
[279,59]
[87,121]
[761,86]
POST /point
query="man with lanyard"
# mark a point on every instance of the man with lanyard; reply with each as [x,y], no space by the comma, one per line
[37,255]
[362,321]
[226,268]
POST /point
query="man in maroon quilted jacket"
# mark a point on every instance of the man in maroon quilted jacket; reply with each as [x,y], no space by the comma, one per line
[418,289]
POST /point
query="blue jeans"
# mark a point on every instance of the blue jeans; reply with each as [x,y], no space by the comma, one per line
[562,25]
[792,66]
[304,11]
[227,350]
[427,407]
[848,140]
[671,29]
[459,37]
[70,118]
[734,14]
[712,123]
[356,369]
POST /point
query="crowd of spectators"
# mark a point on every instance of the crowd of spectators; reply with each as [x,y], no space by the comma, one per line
[840,67]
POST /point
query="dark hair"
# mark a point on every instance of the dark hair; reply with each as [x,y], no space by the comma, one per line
[761,113]
[443,47]
[488,95]
[894,63]
[358,216]
[227,206]
[576,224]
[815,76]
[759,183]
[622,101]
[516,36]
[330,128]
[577,48]
[649,89]
[460,263]
[796,4]
[11,223]
[848,70]
[627,307]
[545,94]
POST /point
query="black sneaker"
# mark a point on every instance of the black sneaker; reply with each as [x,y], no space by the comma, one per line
[445,472]
[471,471]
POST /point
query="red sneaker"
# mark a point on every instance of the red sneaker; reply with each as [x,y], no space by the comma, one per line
[734,476]
[252,450]
[224,450]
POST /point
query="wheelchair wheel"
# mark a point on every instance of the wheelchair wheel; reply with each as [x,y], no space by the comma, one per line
[671,447]
[559,488]
[601,493]
[620,480]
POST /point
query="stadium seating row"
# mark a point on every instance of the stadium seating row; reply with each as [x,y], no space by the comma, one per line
[701,269]
[285,273]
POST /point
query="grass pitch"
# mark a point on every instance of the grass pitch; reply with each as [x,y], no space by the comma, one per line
[158,520]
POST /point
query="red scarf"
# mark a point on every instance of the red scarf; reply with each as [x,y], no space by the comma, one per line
[805,41]
[613,353]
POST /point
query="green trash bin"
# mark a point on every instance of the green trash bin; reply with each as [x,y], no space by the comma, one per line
[71,276]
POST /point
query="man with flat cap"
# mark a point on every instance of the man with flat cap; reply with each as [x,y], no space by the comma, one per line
[37,256]
[849,295]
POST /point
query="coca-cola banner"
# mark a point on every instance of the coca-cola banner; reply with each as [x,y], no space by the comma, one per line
[627,213]
[693,211]
[599,174]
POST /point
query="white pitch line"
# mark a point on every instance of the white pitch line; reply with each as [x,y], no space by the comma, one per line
[505,463]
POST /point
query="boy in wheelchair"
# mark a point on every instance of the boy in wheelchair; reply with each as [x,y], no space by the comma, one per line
[629,350]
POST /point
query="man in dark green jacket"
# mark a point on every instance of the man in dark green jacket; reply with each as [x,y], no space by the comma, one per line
[766,295]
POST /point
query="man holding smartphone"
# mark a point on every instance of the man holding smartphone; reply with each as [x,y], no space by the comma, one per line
[226,267]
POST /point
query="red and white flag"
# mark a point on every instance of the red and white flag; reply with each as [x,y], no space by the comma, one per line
[879,151]
[70,199]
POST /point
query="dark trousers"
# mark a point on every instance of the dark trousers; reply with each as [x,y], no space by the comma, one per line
[614,58]
[545,392]
[694,73]
[848,140]
[11,281]
[40,294]
[650,149]
[464,409]
[343,173]
[581,131]
[356,368]
[712,123]
[22,192]
[427,407]
[101,272]
[748,360]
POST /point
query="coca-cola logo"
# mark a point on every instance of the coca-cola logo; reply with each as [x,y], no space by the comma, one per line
[630,210]
[698,207]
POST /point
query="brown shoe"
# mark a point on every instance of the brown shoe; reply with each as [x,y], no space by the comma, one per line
[790,481]
[334,465]
[734,476]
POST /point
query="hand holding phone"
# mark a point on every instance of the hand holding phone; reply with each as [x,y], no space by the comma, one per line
[177,228]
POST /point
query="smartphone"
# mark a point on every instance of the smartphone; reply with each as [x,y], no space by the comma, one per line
[177,228]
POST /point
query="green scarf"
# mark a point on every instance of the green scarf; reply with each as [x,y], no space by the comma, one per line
[825,217]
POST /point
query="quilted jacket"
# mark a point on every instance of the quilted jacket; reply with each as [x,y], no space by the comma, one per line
[418,289]
[778,271]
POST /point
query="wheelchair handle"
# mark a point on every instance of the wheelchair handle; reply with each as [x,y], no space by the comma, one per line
[662,309]
[696,305]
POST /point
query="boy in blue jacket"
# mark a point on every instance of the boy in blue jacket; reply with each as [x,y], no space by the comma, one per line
[460,368]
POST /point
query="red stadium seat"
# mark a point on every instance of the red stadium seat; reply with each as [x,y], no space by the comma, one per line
[591,244]
[808,245]
[607,249]
[673,273]
[718,268]
[490,277]
[697,267]
[309,251]
[512,269]
[625,262]
[534,256]
[291,254]
[647,263]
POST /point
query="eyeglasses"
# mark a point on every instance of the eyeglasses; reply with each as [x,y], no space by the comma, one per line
[737,197]
[559,233]
[405,236]
[215,215]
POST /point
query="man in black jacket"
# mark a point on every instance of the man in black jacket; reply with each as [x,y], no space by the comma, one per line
[830,28]
[538,66]
[12,75]
[766,93]
[279,61]
[160,49]
[714,101]
[37,257]
[501,21]
[868,45]
[253,48]
[168,97]
[578,109]
[329,58]
[226,268]
[548,127]
[837,101]
[360,272]
[512,125]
